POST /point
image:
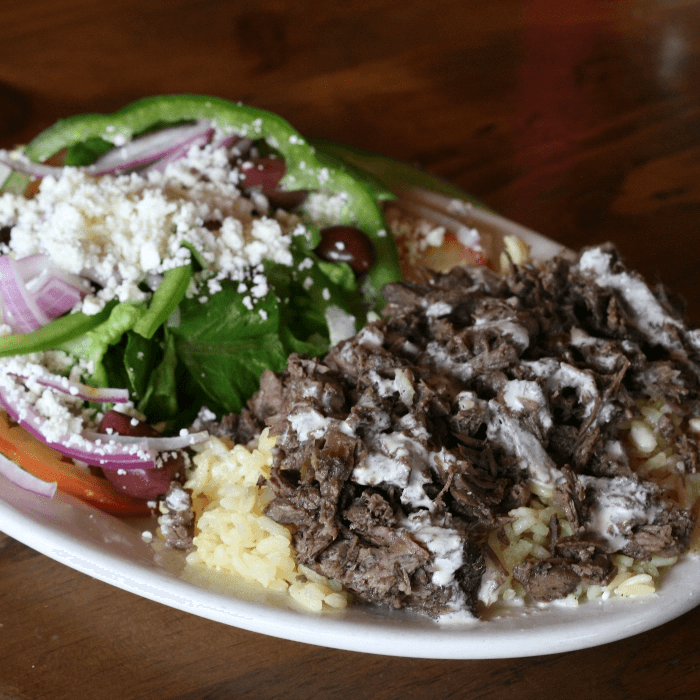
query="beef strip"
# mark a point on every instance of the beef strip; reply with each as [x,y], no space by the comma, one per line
[401,450]
[580,558]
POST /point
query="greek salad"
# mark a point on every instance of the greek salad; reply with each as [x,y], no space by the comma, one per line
[154,262]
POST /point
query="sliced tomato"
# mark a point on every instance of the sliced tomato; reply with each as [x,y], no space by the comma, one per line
[264,173]
[46,463]
[452,253]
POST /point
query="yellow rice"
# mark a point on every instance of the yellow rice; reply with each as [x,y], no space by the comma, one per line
[233,534]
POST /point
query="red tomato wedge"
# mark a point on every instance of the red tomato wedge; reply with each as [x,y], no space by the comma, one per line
[46,463]
[452,253]
[264,172]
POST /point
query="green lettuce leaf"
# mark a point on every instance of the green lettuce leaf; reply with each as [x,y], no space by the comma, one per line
[93,346]
[165,396]
[225,346]
[226,343]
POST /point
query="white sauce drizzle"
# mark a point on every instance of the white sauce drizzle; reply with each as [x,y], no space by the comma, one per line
[516,333]
[619,503]
[507,432]
[648,312]
[309,423]
[517,393]
[560,375]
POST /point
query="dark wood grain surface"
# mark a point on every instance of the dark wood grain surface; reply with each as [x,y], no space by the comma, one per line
[578,119]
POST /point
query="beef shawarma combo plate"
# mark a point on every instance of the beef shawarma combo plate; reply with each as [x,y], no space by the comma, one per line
[334,391]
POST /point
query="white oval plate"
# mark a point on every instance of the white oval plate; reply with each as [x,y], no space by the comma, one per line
[114,551]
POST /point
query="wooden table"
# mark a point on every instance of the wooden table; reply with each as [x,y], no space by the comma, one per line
[578,119]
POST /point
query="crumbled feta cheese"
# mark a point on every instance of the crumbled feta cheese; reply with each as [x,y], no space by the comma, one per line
[324,208]
[58,415]
[123,230]
[306,264]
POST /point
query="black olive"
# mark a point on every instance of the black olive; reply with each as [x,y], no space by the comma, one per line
[346,244]
[287,199]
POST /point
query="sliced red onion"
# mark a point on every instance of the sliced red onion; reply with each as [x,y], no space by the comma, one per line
[55,296]
[157,444]
[77,389]
[155,150]
[136,153]
[34,290]
[19,163]
[25,480]
[96,458]
[148,149]
[41,267]
[21,311]
[107,456]
[32,265]
[88,393]
[200,139]
[230,140]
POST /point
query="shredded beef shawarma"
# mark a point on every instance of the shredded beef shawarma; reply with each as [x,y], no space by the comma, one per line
[407,445]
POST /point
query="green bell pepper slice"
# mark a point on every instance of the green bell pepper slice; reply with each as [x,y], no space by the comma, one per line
[165,300]
[62,330]
[387,175]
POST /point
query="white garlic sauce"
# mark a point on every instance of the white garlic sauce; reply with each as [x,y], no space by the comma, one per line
[507,432]
[618,504]
[650,315]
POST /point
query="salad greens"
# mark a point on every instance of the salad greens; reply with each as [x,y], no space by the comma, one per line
[181,350]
